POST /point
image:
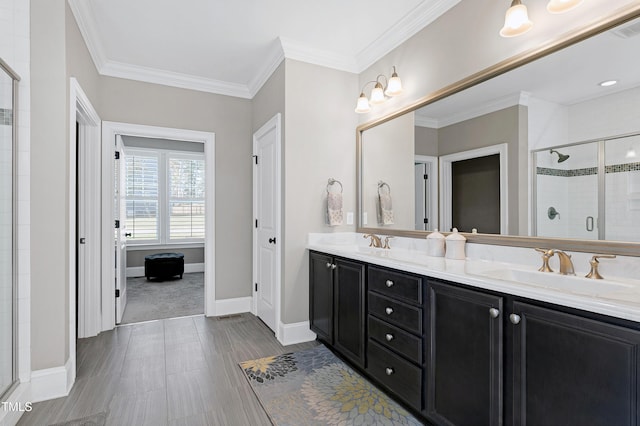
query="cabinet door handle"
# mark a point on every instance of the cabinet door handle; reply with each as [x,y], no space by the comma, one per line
[389,337]
[389,283]
[334,266]
[328,264]
[389,371]
[494,312]
[514,318]
[389,311]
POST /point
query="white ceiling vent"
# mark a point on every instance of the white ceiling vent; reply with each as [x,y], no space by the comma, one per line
[627,31]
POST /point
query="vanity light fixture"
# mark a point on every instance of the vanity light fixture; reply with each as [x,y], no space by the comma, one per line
[517,22]
[631,153]
[380,92]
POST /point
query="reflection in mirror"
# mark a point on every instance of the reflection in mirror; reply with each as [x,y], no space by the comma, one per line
[554,102]
[595,184]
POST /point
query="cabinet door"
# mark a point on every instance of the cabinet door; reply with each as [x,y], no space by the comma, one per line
[570,370]
[464,376]
[321,295]
[349,312]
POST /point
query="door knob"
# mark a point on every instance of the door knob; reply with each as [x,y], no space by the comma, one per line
[494,312]
[514,318]
[127,234]
[272,240]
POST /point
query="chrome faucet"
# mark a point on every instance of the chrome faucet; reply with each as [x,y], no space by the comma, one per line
[566,265]
[374,240]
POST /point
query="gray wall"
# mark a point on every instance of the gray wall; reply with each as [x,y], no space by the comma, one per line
[135,258]
[320,143]
[426,141]
[269,100]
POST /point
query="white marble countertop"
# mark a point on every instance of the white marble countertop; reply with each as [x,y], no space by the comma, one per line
[621,301]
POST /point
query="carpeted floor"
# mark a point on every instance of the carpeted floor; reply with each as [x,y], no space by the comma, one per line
[314,387]
[151,300]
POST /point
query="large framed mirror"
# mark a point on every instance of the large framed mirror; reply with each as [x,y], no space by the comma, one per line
[8,290]
[531,152]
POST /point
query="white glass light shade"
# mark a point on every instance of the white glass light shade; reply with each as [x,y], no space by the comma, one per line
[377,94]
[516,21]
[631,153]
[561,6]
[363,104]
[394,87]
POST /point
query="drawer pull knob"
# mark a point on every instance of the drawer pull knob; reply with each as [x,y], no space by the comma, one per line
[389,371]
[334,266]
[389,311]
[328,264]
[389,337]
[389,283]
[514,318]
[494,312]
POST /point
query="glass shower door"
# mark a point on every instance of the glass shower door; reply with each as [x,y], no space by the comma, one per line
[567,192]
[7,290]
[622,188]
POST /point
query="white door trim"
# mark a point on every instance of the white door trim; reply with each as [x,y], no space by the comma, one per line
[109,132]
[273,123]
[433,186]
[446,183]
[80,109]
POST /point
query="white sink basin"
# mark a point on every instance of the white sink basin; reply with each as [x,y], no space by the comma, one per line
[555,281]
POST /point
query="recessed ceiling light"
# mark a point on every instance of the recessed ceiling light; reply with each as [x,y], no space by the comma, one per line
[608,83]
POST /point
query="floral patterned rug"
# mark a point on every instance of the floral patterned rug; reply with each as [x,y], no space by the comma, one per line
[314,387]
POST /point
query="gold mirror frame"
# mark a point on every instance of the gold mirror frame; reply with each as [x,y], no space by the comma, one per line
[595,246]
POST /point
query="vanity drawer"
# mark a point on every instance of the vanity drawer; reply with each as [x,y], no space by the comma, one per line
[400,314]
[400,376]
[394,338]
[396,284]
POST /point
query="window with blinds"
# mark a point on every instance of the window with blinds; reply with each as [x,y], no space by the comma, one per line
[165,196]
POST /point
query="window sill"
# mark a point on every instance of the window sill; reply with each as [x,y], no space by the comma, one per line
[134,247]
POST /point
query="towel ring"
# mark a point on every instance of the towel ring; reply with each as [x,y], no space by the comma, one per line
[332,182]
[382,184]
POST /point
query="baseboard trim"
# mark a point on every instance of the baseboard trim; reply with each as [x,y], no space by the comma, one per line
[233,306]
[138,271]
[51,383]
[298,332]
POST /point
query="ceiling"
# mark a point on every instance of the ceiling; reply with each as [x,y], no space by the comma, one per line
[232,47]
[566,77]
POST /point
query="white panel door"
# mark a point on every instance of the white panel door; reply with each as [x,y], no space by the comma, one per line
[267,216]
[120,239]
[421,198]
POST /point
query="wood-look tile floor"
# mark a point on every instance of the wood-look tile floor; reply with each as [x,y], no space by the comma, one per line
[181,371]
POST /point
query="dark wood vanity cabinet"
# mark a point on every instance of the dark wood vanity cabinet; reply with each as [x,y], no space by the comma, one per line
[465,356]
[572,370]
[337,304]
[465,367]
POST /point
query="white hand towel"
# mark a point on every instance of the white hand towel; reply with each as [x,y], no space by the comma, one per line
[385,209]
[334,208]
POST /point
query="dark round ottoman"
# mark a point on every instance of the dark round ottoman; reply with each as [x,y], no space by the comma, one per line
[164,265]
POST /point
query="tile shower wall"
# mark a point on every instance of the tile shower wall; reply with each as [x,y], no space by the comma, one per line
[14,50]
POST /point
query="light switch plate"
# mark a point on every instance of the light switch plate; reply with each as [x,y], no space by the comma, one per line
[364,218]
[349,218]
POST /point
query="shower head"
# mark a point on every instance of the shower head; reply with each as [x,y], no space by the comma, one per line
[561,157]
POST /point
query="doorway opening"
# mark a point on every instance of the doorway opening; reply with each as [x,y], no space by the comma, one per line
[159,192]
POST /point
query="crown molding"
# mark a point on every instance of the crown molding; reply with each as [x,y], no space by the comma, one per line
[414,21]
[301,52]
[519,98]
[81,11]
[174,79]
[274,58]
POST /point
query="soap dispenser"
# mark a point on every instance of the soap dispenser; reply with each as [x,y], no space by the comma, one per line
[435,244]
[455,245]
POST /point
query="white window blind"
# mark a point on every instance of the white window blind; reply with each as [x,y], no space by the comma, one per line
[142,192]
[165,196]
[186,198]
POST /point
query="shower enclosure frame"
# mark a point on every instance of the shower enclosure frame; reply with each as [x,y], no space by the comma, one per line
[601,222]
[14,244]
